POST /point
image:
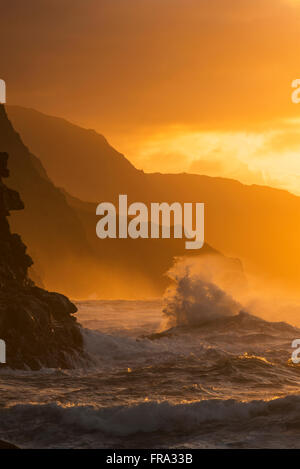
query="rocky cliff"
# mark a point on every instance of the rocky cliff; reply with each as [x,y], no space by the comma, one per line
[38,327]
[49,227]
[259,225]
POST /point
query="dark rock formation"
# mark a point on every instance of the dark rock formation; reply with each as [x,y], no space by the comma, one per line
[38,326]
[49,227]
[6,445]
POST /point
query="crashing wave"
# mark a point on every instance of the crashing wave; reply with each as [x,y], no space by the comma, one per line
[151,417]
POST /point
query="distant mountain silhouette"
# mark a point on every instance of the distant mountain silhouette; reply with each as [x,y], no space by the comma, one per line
[134,266]
[60,233]
[76,159]
[259,225]
[48,226]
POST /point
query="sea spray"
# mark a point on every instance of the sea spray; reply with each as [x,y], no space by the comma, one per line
[194,298]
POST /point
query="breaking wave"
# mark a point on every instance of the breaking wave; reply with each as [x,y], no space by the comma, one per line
[195,297]
[152,417]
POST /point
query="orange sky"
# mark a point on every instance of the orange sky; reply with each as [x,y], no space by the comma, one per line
[176,85]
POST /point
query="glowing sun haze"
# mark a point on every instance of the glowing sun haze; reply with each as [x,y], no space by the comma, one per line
[176,85]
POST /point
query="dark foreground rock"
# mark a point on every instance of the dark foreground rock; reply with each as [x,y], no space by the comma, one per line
[6,445]
[38,326]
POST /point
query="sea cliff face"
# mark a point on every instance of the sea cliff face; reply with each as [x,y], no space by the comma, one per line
[49,227]
[38,327]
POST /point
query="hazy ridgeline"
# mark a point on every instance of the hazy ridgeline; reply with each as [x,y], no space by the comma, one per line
[250,223]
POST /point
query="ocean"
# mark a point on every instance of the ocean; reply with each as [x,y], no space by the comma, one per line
[224,383]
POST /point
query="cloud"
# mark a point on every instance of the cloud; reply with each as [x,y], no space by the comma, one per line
[229,168]
[287,140]
[122,64]
[164,162]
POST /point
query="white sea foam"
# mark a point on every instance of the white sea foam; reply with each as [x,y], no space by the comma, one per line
[150,417]
[195,296]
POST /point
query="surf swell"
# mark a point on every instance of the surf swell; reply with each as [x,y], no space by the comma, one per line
[152,417]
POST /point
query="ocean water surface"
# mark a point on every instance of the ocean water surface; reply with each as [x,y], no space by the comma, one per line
[226,383]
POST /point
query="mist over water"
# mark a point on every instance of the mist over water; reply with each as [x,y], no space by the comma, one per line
[206,287]
[194,298]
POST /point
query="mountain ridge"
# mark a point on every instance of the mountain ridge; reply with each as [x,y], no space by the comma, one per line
[257,224]
[38,326]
